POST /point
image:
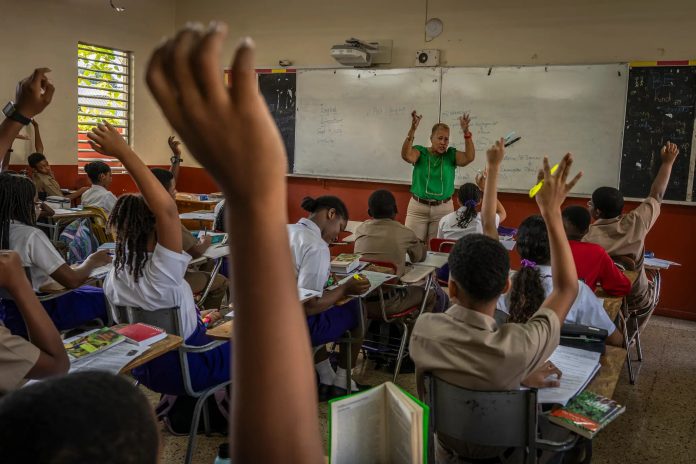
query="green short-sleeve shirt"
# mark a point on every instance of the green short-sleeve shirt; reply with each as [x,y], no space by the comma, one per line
[433,175]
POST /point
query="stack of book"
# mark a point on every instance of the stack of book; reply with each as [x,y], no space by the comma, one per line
[345,263]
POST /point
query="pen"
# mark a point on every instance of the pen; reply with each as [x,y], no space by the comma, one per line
[534,190]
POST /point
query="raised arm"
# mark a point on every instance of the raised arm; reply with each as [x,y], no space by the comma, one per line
[494,157]
[467,156]
[175,160]
[408,153]
[34,94]
[668,154]
[240,146]
[106,139]
[481,183]
[53,360]
[38,143]
[550,198]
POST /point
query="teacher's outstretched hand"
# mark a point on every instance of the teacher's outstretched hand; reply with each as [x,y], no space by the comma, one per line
[432,184]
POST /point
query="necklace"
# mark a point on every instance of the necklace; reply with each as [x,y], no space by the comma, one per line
[427,182]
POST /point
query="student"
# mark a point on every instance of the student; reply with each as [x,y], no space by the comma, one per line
[309,242]
[82,417]
[98,195]
[594,265]
[463,345]
[623,235]
[43,178]
[466,220]
[42,356]
[533,282]
[197,279]
[18,211]
[384,239]
[149,268]
[242,149]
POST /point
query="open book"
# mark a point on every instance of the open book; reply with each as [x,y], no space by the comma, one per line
[376,279]
[578,367]
[383,425]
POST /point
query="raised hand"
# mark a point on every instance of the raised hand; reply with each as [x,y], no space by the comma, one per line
[464,121]
[415,120]
[669,152]
[107,140]
[481,179]
[174,145]
[34,93]
[495,154]
[555,188]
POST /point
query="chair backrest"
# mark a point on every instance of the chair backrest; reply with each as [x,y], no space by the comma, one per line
[166,319]
[443,245]
[489,418]
[99,220]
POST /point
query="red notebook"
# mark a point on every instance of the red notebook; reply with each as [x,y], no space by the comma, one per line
[142,334]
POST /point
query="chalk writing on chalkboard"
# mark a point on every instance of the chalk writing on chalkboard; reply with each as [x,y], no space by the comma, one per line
[278,89]
[659,108]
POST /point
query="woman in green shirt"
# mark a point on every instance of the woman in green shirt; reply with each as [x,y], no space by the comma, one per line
[432,184]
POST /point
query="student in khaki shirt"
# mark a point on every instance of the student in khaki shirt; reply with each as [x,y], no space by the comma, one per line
[623,235]
[385,239]
[464,346]
[43,355]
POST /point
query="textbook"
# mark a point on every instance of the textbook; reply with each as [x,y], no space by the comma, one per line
[92,342]
[142,334]
[345,263]
[383,425]
[587,414]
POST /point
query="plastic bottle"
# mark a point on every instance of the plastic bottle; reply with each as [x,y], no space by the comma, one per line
[223,456]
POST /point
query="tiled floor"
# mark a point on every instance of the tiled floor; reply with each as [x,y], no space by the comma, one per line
[659,425]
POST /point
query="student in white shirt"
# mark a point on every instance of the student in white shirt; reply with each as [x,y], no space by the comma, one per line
[98,195]
[533,282]
[149,268]
[466,220]
[309,244]
[19,207]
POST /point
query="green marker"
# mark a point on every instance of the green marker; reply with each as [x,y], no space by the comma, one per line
[534,190]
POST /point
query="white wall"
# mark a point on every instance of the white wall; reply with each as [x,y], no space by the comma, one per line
[37,33]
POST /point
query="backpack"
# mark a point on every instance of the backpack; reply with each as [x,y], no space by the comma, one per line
[79,239]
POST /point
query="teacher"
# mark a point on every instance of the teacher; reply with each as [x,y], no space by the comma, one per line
[432,183]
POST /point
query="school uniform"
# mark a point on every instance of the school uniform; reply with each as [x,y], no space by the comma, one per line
[312,262]
[625,236]
[162,285]
[448,228]
[595,267]
[98,196]
[468,349]
[587,309]
[17,358]
[37,253]
[46,183]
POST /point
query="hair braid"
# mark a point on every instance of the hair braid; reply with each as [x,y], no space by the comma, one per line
[132,223]
[16,203]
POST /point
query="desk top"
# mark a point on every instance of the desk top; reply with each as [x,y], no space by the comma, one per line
[605,381]
[417,273]
[222,331]
[613,306]
[171,342]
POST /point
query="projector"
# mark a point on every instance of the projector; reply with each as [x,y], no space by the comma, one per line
[352,54]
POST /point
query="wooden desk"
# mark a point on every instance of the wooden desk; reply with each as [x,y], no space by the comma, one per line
[166,345]
[189,202]
[605,381]
[613,307]
[222,331]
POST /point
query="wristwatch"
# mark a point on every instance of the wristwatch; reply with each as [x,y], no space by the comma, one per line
[176,159]
[10,110]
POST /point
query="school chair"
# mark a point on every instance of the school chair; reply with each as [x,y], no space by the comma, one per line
[504,419]
[99,220]
[200,298]
[400,319]
[168,319]
[442,245]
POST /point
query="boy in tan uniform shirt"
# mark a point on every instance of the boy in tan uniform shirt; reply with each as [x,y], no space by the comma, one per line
[464,345]
[623,235]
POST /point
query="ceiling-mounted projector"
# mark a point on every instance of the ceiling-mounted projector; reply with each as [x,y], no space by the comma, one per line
[361,54]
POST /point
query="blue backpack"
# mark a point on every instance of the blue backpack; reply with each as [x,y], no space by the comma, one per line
[79,239]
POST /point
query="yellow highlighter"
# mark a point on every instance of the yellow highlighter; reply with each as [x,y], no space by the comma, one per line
[357,277]
[534,190]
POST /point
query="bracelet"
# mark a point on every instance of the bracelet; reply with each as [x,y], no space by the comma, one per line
[467,136]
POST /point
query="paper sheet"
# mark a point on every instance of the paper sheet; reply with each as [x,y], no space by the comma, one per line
[376,279]
[217,251]
[578,368]
[198,216]
[659,263]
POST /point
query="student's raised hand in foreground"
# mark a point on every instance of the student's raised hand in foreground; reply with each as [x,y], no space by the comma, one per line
[555,188]
[107,140]
[228,130]
[669,152]
[496,153]
[34,93]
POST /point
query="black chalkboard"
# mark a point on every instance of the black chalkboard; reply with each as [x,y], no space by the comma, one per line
[278,89]
[659,108]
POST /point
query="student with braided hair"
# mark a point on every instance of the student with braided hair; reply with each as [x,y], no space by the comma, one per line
[19,207]
[466,220]
[149,268]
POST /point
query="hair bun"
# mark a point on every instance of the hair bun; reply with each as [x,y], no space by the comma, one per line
[309,204]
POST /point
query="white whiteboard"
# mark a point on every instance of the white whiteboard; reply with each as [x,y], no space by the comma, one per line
[555,109]
[351,122]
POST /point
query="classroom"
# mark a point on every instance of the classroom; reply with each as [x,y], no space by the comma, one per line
[318,231]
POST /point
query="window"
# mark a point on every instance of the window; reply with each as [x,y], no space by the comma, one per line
[103,94]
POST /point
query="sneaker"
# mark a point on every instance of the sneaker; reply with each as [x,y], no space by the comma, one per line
[337,392]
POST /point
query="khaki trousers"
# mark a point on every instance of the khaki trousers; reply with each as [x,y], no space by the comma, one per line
[424,219]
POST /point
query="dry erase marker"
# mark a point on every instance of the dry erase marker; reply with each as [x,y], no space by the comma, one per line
[534,190]
[516,139]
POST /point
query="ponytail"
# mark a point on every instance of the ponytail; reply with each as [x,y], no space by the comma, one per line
[313,205]
[469,195]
